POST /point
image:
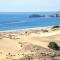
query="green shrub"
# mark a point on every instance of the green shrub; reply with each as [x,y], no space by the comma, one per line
[55,27]
[53,46]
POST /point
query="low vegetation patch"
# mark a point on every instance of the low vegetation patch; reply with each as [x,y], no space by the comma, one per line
[55,27]
[53,46]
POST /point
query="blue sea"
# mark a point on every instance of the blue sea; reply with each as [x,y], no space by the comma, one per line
[21,20]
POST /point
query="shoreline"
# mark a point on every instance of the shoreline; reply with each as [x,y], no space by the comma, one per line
[37,31]
[25,28]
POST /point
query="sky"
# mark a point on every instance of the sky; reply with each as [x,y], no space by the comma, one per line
[29,5]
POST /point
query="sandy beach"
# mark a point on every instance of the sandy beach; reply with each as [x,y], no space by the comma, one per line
[29,44]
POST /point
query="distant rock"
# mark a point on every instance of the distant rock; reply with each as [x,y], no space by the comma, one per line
[36,15]
[57,14]
[51,16]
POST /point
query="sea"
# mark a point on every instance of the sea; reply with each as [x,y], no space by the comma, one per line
[21,20]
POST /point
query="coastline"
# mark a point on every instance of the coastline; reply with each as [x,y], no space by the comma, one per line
[26,28]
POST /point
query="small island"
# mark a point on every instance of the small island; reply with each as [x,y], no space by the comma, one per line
[36,16]
[57,14]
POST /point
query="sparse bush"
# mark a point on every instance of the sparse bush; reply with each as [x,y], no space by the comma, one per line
[55,27]
[53,46]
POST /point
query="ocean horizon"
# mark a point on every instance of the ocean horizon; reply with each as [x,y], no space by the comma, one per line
[21,20]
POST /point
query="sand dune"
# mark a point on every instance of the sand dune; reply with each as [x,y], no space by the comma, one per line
[19,44]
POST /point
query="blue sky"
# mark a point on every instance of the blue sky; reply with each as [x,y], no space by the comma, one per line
[29,5]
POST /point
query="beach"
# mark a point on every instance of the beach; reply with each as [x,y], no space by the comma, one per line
[29,44]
